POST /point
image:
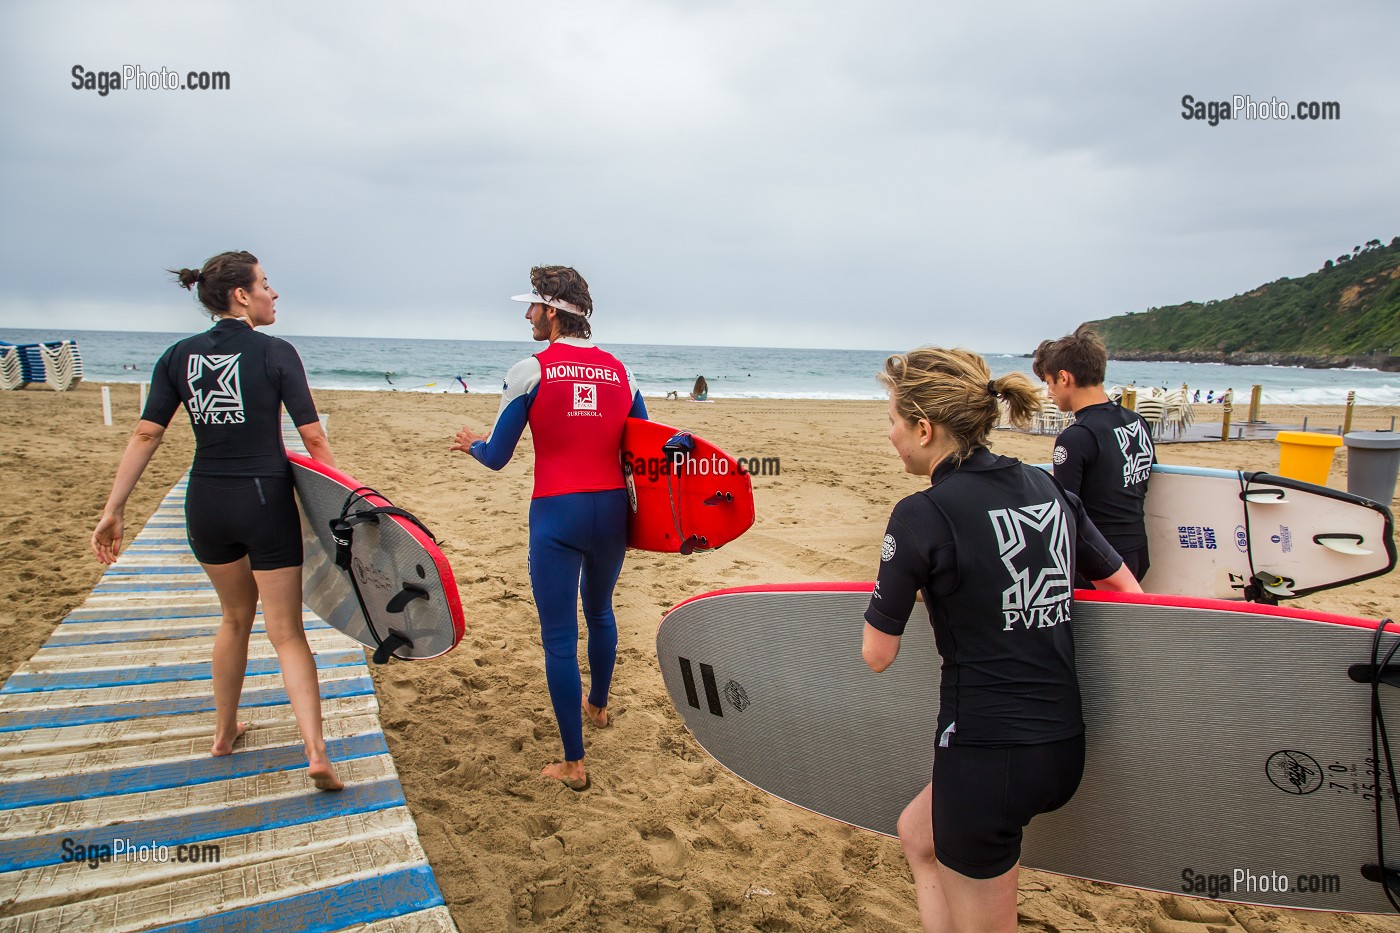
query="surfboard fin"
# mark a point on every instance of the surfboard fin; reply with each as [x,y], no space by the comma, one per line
[1386,875]
[388,646]
[1343,543]
[1266,588]
[1365,674]
[403,597]
[695,543]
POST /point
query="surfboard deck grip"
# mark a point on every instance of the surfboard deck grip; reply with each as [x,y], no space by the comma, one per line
[388,646]
[692,696]
[1366,673]
[403,597]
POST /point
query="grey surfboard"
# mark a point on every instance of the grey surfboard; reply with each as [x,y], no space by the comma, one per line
[398,596]
[1222,737]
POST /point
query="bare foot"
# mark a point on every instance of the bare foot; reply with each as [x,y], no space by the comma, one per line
[224,746]
[598,715]
[569,773]
[323,773]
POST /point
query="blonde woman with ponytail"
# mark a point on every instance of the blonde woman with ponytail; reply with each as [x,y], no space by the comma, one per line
[991,547]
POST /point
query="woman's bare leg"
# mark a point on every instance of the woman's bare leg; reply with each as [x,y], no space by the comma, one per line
[281,601]
[238,600]
[950,901]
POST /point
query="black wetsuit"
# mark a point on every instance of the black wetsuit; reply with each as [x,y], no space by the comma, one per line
[1105,458]
[993,545]
[234,382]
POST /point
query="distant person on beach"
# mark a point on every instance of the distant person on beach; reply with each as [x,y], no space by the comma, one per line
[1210,396]
[576,398]
[240,514]
[701,392]
[1106,456]
[1010,730]
[1197,397]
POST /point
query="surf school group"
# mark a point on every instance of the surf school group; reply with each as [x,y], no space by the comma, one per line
[993,547]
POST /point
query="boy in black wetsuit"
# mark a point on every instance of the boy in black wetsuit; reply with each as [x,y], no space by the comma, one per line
[1106,456]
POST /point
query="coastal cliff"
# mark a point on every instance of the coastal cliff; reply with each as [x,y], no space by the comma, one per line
[1346,314]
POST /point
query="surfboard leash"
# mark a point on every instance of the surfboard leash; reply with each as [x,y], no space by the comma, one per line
[343,533]
[679,446]
[1381,673]
[1256,588]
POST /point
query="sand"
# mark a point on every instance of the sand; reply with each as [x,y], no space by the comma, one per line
[666,839]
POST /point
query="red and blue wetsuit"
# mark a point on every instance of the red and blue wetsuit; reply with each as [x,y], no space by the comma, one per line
[576,399]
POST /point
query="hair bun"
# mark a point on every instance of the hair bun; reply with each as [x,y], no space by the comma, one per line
[188,278]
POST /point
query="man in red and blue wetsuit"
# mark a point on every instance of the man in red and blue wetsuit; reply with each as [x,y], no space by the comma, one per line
[576,398]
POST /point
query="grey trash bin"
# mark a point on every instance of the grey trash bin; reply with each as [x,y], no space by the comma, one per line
[1373,461]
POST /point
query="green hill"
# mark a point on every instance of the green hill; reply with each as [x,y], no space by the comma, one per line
[1345,314]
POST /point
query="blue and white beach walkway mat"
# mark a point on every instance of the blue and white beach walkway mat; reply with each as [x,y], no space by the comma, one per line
[113,815]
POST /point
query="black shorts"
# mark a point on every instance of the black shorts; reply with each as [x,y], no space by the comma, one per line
[984,796]
[230,517]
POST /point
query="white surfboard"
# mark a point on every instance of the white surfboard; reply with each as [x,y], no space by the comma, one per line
[1220,532]
[1222,737]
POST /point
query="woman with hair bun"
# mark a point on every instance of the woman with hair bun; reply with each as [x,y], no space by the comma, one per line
[991,547]
[240,513]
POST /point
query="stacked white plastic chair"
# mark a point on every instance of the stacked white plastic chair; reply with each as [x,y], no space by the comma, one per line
[11,367]
[57,364]
[1176,415]
[63,366]
[1152,408]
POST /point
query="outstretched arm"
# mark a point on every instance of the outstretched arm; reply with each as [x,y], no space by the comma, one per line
[107,536]
[517,394]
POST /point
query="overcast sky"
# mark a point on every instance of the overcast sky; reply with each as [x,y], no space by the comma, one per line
[867,175]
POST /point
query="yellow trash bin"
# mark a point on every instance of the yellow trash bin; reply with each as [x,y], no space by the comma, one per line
[1306,456]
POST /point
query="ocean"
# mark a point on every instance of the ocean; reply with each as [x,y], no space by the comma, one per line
[384,364]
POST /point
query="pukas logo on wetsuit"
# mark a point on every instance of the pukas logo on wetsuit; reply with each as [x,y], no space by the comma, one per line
[1136,446]
[585,396]
[215,394]
[1039,596]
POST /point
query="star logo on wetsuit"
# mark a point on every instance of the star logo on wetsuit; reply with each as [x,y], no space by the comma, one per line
[1039,596]
[1135,444]
[585,396]
[215,394]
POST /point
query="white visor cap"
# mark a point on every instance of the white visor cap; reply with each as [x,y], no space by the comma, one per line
[535,298]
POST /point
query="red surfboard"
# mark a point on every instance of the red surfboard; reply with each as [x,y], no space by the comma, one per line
[684,493]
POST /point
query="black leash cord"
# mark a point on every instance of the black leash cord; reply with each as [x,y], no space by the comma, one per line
[1380,741]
